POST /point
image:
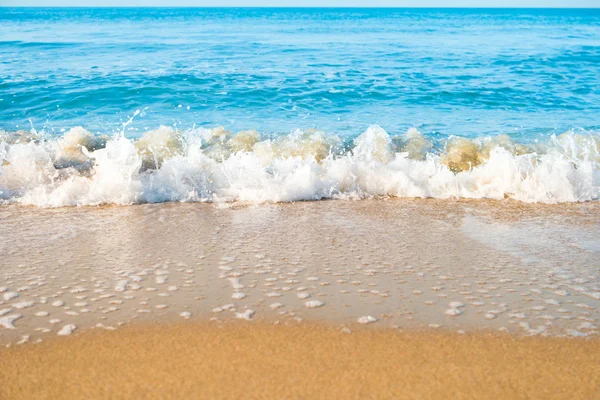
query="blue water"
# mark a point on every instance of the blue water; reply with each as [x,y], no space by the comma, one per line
[445,71]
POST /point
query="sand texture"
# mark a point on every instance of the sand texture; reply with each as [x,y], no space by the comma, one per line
[306,361]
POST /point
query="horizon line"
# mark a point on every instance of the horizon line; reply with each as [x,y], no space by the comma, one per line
[312,7]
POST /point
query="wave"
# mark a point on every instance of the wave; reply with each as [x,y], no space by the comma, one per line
[214,165]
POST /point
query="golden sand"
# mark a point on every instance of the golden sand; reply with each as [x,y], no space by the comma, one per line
[307,361]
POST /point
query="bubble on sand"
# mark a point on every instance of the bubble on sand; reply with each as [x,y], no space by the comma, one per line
[24,339]
[247,315]
[314,304]
[66,330]
[576,333]
[275,306]
[58,303]
[303,295]
[235,283]
[518,315]
[185,314]
[453,312]
[23,304]
[121,285]
[8,321]
[10,295]
[366,320]
[456,304]
[238,296]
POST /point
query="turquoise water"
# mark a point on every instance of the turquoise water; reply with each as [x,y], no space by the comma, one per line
[131,105]
[443,71]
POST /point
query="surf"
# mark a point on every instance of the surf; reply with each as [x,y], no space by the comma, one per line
[215,165]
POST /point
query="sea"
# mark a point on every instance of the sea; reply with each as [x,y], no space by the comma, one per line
[261,105]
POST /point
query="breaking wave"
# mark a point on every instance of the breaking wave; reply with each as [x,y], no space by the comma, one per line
[214,165]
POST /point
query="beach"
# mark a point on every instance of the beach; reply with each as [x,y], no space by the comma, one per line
[382,298]
[265,361]
[299,203]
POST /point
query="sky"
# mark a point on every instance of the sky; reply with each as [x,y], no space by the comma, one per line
[311,3]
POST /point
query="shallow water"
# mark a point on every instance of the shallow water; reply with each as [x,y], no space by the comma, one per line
[411,264]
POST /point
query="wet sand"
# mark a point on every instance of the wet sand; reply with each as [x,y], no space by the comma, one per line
[306,361]
[397,263]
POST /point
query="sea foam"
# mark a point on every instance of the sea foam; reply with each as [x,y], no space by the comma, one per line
[214,165]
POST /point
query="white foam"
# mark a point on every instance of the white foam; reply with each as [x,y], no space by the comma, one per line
[67,330]
[185,314]
[235,283]
[10,295]
[215,166]
[247,315]
[23,304]
[8,321]
[366,320]
[453,312]
[121,285]
[314,304]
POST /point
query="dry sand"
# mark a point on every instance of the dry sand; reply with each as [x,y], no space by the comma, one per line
[307,361]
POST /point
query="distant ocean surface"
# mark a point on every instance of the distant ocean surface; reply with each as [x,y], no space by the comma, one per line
[129,105]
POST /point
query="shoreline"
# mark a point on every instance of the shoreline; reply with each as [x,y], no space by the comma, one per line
[413,264]
[307,360]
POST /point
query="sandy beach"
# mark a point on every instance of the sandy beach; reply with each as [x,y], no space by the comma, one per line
[307,361]
[391,298]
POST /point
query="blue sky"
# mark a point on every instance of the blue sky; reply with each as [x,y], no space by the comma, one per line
[312,3]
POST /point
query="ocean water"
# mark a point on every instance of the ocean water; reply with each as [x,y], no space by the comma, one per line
[138,105]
